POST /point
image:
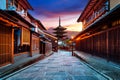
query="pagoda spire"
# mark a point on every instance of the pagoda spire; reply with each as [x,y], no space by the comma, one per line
[59,21]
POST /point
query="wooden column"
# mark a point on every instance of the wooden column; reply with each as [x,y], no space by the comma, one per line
[12,46]
[30,44]
[107,45]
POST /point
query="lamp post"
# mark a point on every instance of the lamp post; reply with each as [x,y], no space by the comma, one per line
[56,45]
[72,45]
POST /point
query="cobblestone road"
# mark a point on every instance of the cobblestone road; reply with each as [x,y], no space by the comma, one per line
[59,66]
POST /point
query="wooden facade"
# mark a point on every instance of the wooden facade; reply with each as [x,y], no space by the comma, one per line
[6,38]
[105,44]
[45,47]
[94,10]
[101,37]
[18,38]
[42,47]
[53,40]
[48,48]
[35,44]
[21,35]
[5,45]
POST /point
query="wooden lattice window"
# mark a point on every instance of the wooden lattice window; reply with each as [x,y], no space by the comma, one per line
[25,36]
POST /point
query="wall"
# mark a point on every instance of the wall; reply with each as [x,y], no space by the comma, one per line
[5,45]
[105,44]
[2,4]
[35,45]
[48,48]
[113,3]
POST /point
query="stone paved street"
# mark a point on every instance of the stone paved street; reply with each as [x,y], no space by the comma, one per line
[59,66]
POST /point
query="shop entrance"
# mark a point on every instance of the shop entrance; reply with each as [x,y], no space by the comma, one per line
[17,40]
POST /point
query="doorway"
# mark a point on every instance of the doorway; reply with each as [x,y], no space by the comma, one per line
[17,40]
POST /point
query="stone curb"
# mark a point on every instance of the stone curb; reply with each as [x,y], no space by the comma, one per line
[12,70]
[86,63]
[23,67]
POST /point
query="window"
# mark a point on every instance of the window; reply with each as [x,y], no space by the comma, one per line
[11,5]
[10,2]
[107,5]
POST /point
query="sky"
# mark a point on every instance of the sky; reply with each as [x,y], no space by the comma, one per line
[48,11]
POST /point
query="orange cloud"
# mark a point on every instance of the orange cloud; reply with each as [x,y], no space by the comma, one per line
[75,27]
[66,19]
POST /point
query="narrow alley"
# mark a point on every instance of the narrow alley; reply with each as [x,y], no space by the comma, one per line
[59,40]
[59,66]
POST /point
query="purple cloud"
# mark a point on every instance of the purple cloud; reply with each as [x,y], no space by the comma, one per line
[53,8]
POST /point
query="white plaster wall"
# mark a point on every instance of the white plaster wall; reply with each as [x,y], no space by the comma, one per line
[114,3]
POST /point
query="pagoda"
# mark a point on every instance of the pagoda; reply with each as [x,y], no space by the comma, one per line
[60,31]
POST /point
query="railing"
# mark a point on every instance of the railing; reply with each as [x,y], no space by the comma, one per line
[95,16]
[11,7]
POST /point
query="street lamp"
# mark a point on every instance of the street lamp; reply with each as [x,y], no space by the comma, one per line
[56,47]
[72,45]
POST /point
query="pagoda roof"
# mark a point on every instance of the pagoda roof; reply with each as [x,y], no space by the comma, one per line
[60,36]
[60,32]
[59,28]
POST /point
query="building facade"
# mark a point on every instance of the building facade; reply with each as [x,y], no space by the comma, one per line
[19,32]
[53,40]
[6,38]
[101,29]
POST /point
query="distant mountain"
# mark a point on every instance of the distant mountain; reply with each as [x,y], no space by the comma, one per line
[72,33]
[50,30]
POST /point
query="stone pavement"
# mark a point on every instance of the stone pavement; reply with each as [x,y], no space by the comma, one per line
[19,64]
[108,68]
[59,66]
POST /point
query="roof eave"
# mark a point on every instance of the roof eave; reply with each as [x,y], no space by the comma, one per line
[117,8]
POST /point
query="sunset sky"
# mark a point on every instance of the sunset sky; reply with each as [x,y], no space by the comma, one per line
[48,11]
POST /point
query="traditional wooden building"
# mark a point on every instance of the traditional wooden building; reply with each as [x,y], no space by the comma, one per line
[19,32]
[52,40]
[101,29]
[6,38]
[36,40]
